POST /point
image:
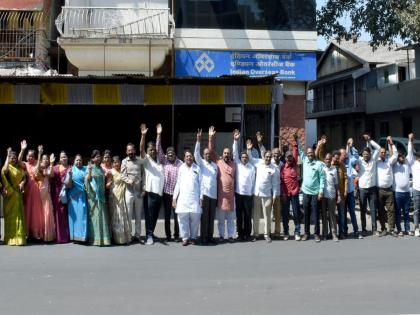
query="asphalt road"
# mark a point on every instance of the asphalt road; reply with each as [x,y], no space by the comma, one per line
[369,276]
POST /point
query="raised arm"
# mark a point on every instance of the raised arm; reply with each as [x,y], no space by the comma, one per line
[213,154]
[143,130]
[5,168]
[410,151]
[249,146]
[321,148]
[38,162]
[295,150]
[392,151]
[352,153]
[235,146]
[376,148]
[161,154]
[300,150]
[50,172]
[23,146]
[197,149]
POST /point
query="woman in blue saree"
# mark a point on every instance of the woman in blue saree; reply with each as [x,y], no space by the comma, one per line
[77,202]
[98,223]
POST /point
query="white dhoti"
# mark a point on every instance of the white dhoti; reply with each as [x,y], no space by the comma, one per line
[229,217]
[188,225]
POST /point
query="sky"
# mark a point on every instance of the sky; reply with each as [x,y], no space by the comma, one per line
[322,43]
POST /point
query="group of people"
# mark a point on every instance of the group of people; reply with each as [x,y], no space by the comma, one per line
[96,204]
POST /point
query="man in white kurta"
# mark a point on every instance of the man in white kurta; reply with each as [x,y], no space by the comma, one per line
[186,200]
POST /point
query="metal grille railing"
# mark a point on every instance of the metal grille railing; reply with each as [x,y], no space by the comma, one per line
[101,22]
[22,36]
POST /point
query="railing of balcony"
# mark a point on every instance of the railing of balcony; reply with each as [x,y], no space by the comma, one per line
[104,22]
[336,101]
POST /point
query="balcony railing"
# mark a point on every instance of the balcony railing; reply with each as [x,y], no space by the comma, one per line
[330,104]
[104,22]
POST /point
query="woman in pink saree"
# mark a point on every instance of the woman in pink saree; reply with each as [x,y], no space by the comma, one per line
[34,216]
[43,175]
[61,213]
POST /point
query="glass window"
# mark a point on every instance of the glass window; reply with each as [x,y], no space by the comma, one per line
[278,15]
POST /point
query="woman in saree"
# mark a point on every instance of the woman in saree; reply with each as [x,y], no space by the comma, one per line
[61,214]
[77,202]
[43,175]
[107,163]
[14,179]
[34,217]
[98,224]
[120,223]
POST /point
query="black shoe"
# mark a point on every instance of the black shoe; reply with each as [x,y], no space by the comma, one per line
[177,240]
[168,239]
[231,240]
[212,241]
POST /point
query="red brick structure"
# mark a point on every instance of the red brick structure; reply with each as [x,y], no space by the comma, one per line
[292,118]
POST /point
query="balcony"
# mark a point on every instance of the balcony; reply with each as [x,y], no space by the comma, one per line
[400,96]
[104,40]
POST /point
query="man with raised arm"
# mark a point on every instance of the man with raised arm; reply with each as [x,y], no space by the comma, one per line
[208,191]
[401,171]
[414,162]
[265,192]
[313,190]
[385,190]
[154,180]
[244,189]
[349,156]
[367,183]
[225,189]
[171,165]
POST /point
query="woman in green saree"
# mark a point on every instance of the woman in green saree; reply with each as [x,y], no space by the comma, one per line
[98,226]
[14,179]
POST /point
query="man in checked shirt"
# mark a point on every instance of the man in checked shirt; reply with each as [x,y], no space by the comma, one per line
[171,165]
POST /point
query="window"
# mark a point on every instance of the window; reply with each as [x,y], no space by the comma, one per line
[407,124]
[277,15]
[401,74]
[386,76]
[384,129]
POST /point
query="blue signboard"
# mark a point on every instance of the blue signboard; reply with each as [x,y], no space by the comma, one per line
[296,66]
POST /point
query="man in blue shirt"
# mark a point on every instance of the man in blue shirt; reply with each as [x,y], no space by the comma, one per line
[312,188]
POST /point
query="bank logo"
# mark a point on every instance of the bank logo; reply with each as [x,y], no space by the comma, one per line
[204,62]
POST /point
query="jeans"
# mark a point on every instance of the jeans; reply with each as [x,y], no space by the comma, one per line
[310,206]
[350,206]
[368,195]
[416,201]
[151,211]
[167,205]
[294,200]
[243,215]
[402,200]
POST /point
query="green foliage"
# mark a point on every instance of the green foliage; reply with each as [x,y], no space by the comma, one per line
[384,20]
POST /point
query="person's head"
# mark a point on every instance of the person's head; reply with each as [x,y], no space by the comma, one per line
[335,157]
[343,155]
[366,154]
[45,161]
[327,159]
[188,158]
[207,155]
[30,156]
[13,158]
[107,158]
[244,157]
[401,158]
[289,157]
[78,162]
[226,155]
[116,163]
[249,139]
[171,155]
[267,157]
[310,154]
[151,149]
[96,157]
[131,151]
[276,155]
[382,154]
[64,160]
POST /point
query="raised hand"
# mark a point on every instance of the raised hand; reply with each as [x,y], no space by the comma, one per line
[324,139]
[236,135]
[40,149]
[159,129]
[199,135]
[249,144]
[411,137]
[143,129]
[9,150]
[389,140]
[295,136]
[212,131]
[350,142]
[52,158]
[366,137]
[259,136]
[23,145]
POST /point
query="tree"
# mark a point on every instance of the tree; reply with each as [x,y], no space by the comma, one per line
[384,20]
